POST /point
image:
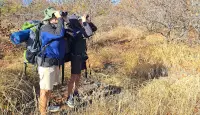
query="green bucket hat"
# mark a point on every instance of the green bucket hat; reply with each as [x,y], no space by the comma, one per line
[48,13]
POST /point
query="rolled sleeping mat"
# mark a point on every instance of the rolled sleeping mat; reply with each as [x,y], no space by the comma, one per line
[20,36]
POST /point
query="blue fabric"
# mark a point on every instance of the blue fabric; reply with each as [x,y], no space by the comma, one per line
[20,36]
[57,48]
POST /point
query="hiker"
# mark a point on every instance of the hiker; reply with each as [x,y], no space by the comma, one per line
[51,58]
[78,30]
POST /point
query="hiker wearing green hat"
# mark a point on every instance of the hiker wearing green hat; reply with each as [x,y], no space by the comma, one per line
[53,46]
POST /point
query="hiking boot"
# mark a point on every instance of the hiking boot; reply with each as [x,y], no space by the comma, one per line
[70,101]
[53,108]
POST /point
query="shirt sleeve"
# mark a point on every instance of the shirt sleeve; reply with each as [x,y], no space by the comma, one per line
[54,33]
[87,30]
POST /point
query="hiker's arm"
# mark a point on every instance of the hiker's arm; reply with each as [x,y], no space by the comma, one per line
[60,30]
[86,30]
[92,26]
[54,33]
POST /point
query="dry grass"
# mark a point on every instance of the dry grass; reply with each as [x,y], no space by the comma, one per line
[178,94]
[122,56]
[129,49]
[16,93]
[169,96]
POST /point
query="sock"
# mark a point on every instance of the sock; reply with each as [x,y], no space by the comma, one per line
[76,93]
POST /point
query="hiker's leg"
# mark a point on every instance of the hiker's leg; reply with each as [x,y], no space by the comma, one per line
[47,79]
[71,84]
[44,97]
[75,73]
[84,67]
[77,82]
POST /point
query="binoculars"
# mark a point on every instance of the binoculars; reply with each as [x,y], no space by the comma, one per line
[63,13]
[87,16]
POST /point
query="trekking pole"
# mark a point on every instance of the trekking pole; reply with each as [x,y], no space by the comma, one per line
[86,73]
[89,67]
[25,68]
[63,72]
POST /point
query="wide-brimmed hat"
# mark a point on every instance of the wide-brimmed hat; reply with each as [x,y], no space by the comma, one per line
[48,13]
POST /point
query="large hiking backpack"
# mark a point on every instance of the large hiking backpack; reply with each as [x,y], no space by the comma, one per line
[30,35]
[33,43]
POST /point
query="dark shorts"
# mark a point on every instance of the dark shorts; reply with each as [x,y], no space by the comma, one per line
[76,64]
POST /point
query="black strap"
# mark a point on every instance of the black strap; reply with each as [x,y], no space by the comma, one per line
[63,72]
[89,67]
[25,68]
[39,40]
[39,25]
[43,49]
[45,46]
[86,73]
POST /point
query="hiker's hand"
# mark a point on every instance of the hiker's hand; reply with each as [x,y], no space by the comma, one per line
[66,19]
[57,14]
[88,19]
[84,18]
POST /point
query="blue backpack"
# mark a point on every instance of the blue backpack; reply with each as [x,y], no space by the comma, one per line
[30,35]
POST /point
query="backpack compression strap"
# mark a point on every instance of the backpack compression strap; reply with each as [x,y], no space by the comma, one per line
[43,49]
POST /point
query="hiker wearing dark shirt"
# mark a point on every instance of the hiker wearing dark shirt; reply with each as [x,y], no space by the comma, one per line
[77,31]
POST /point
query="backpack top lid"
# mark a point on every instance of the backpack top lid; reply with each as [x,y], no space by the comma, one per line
[30,24]
[74,22]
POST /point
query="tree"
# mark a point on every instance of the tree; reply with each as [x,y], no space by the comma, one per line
[171,18]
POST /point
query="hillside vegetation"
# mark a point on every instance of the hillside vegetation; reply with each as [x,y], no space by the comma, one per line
[158,74]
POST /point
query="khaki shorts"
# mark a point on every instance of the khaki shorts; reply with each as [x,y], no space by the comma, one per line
[49,76]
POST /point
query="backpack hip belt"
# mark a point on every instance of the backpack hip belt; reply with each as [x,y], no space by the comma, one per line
[47,62]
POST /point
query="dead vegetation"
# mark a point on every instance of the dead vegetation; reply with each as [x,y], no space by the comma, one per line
[16,94]
[157,75]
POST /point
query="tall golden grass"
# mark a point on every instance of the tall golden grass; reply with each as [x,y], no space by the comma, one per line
[177,94]
[122,57]
[128,48]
